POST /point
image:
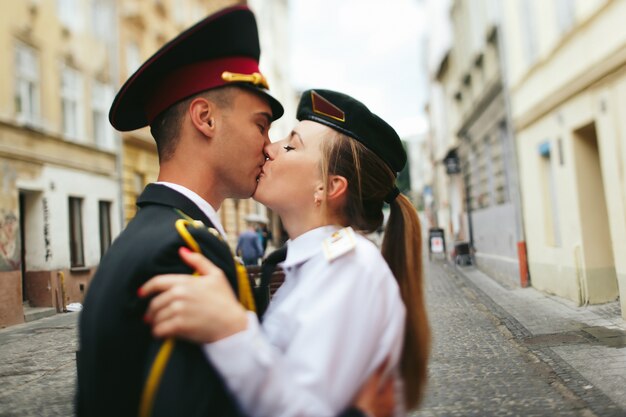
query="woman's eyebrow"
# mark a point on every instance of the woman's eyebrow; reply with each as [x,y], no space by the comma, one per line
[294,133]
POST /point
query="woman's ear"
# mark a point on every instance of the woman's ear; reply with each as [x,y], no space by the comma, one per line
[202,114]
[337,188]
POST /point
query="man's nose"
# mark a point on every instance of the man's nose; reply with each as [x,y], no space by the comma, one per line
[270,150]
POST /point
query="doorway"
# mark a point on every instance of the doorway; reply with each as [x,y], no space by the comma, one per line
[30,212]
[597,267]
[22,211]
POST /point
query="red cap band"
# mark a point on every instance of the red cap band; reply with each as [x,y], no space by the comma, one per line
[194,78]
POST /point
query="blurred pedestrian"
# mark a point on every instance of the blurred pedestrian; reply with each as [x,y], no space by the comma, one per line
[264,235]
[249,246]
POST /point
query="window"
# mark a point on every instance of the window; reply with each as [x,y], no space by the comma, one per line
[506,164]
[71,103]
[495,167]
[489,157]
[139,182]
[482,196]
[470,175]
[549,196]
[69,15]
[565,13]
[529,36]
[133,58]
[180,9]
[101,98]
[104,214]
[26,84]
[77,254]
[101,18]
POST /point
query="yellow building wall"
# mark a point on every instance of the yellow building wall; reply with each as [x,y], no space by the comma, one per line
[579,264]
[140,167]
[612,131]
[574,94]
[564,69]
[27,151]
[38,26]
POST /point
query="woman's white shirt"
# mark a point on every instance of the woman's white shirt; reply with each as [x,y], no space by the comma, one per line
[328,327]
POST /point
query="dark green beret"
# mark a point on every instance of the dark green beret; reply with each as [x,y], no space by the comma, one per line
[352,118]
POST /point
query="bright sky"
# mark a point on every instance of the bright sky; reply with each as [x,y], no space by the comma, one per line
[369,49]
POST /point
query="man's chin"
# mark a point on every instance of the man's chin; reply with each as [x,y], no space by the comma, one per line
[242,193]
[254,190]
[258,196]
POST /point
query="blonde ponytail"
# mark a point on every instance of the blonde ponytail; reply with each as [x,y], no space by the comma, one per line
[402,249]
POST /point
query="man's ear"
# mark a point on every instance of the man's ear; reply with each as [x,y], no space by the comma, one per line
[337,188]
[202,113]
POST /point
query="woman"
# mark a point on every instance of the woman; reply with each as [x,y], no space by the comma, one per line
[341,311]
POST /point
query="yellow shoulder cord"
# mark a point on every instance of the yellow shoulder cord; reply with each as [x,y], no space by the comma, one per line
[160,362]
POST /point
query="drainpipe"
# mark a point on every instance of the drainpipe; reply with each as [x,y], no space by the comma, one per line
[114,51]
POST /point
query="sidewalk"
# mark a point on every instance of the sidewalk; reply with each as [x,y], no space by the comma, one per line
[585,347]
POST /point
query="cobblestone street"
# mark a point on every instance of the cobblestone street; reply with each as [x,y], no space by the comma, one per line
[38,367]
[484,361]
[475,369]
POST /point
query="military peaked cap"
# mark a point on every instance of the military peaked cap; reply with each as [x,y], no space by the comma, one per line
[352,118]
[221,49]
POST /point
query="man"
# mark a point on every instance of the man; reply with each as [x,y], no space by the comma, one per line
[209,111]
[249,246]
[208,108]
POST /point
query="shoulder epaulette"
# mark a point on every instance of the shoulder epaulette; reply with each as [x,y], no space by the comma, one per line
[339,243]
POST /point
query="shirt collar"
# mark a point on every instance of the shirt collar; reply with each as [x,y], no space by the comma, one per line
[202,204]
[307,245]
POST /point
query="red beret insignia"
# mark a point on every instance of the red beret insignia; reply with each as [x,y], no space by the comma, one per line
[326,108]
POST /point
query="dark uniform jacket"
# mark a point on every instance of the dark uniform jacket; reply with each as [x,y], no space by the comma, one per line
[116,348]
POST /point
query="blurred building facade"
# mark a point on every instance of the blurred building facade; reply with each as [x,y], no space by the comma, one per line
[69,181]
[528,95]
[60,199]
[419,170]
[473,148]
[446,210]
[566,63]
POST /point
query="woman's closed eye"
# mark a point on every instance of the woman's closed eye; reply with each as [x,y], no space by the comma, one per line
[288,148]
